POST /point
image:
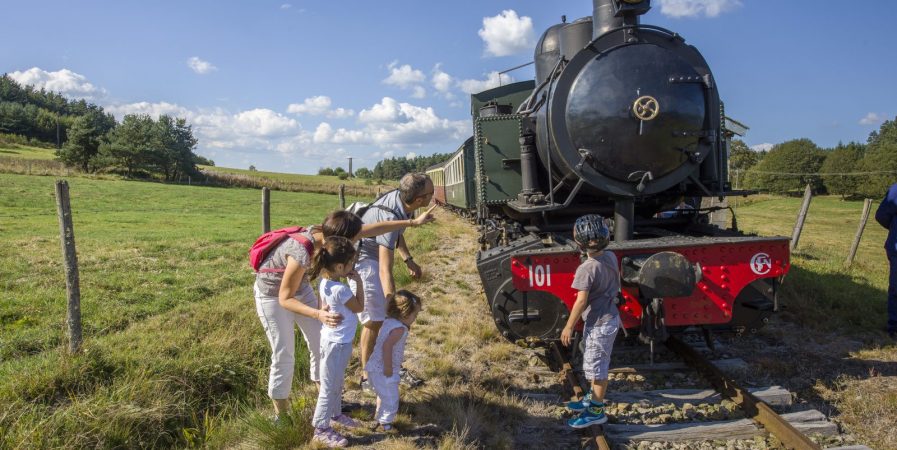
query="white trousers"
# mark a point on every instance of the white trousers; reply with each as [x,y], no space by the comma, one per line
[334,359]
[387,389]
[279,325]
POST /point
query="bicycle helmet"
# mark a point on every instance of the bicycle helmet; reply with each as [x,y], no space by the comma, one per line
[591,233]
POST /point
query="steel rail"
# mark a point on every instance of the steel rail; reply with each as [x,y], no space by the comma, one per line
[753,407]
[595,435]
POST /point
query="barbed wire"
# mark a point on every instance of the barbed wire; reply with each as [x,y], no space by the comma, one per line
[186,209]
[816,174]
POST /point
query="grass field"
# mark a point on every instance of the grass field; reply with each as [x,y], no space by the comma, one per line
[172,344]
[26,152]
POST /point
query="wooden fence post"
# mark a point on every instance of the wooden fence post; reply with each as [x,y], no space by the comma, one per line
[867,206]
[266,210]
[72,284]
[799,226]
[342,196]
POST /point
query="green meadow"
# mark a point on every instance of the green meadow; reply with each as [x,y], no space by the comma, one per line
[172,342]
[26,152]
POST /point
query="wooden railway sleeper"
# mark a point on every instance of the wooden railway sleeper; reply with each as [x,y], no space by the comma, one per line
[753,407]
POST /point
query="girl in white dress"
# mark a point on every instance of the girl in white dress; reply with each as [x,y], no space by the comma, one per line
[389,352]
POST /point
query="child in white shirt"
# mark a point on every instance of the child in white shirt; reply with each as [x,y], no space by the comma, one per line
[335,260]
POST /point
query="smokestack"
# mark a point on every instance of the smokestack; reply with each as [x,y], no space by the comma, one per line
[610,14]
[603,17]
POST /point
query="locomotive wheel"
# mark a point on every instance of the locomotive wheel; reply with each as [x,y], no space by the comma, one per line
[544,318]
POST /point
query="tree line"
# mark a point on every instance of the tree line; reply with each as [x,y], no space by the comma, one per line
[849,170]
[391,168]
[91,140]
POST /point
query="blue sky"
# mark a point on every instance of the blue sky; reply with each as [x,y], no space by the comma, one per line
[293,85]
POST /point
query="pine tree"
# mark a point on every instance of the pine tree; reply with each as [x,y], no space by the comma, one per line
[881,156]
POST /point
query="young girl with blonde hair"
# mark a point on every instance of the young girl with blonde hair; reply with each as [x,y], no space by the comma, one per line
[389,351]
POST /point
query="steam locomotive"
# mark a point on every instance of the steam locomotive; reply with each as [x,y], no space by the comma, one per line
[623,120]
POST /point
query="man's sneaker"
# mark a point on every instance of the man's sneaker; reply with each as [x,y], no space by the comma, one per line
[367,387]
[593,415]
[382,427]
[345,421]
[580,405]
[329,438]
[406,379]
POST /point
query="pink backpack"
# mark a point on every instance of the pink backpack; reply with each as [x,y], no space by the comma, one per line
[269,241]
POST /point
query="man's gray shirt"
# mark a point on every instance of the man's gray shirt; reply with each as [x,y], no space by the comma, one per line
[389,207]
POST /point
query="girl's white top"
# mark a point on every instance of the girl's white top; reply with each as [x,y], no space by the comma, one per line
[336,294]
[375,362]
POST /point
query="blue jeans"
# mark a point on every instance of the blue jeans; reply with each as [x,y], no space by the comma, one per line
[892,293]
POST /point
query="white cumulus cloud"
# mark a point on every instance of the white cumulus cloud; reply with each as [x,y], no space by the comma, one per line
[406,78]
[150,109]
[492,80]
[442,81]
[764,147]
[319,106]
[286,6]
[872,119]
[64,81]
[696,8]
[507,33]
[199,66]
[399,124]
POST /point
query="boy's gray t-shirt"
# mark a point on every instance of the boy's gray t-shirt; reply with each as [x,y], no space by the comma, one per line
[600,277]
[394,210]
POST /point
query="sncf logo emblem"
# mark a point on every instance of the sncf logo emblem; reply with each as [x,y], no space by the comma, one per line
[761,264]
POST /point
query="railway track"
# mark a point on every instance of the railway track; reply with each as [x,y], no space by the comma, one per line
[783,432]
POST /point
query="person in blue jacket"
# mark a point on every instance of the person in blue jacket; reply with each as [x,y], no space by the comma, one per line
[886,215]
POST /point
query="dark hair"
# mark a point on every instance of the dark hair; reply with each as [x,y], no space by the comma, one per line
[336,250]
[341,223]
[402,305]
[412,186]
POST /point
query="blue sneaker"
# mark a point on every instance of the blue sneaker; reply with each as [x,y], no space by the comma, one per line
[593,415]
[580,405]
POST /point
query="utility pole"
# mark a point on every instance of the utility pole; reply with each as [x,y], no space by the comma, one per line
[350,166]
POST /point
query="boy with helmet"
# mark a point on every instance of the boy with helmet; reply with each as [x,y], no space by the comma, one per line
[597,281]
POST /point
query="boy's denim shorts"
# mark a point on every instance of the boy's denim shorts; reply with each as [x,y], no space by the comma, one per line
[599,343]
